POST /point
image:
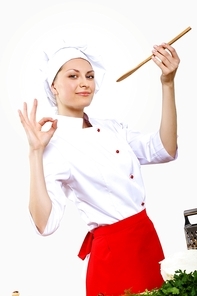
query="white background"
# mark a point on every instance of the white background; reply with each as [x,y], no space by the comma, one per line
[125,32]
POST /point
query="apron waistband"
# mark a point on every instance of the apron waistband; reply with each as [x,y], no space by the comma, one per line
[107,229]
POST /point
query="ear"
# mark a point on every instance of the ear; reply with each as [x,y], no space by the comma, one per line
[53,89]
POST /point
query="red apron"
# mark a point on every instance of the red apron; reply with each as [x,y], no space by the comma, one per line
[124,255]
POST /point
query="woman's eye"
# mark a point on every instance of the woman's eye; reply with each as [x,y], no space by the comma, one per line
[73,76]
[90,76]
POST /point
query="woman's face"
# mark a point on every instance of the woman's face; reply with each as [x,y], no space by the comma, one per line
[74,87]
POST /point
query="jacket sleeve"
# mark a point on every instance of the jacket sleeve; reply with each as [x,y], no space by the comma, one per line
[148,147]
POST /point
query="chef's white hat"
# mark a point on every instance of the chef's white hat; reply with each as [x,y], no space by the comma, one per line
[55,56]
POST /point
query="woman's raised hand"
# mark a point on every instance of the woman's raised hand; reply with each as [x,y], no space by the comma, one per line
[166,57]
[37,138]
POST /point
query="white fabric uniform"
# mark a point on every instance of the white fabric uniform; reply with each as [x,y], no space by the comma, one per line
[98,168]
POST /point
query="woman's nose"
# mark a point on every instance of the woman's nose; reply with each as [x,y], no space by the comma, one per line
[83,82]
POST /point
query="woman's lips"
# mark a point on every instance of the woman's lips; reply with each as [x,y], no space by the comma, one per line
[84,94]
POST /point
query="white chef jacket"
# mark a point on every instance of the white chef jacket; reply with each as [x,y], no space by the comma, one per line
[99,169]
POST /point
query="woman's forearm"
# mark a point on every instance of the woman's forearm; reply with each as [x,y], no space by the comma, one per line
[168,127]
[166,58]
[39,203]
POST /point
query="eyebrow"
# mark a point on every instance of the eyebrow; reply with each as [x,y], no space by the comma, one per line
[78,70]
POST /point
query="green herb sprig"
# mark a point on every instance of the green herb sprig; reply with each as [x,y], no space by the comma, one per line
[182,284]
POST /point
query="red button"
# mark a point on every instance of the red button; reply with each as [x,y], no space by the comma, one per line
[142,203]
[131,176]
[98,129]
[117,151]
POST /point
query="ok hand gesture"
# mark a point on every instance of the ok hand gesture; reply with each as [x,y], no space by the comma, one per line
[37,138]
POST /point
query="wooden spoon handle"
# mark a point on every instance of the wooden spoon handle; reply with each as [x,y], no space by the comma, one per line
[149,58]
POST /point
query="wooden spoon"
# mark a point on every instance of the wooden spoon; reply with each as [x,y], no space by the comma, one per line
[149,58]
